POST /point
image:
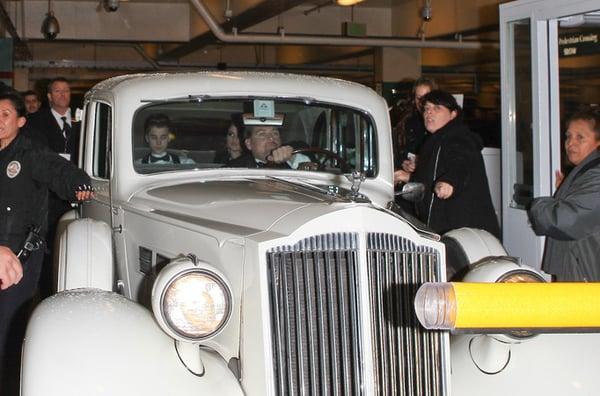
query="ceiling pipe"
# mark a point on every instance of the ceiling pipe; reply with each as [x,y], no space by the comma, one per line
[300,39]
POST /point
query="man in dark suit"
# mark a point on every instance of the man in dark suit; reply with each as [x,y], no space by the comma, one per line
[55,123]
[55,126]
[264,146]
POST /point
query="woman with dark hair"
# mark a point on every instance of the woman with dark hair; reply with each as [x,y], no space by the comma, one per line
[571,218]
[451,167]
[233,141]
[409,133]
[28,171]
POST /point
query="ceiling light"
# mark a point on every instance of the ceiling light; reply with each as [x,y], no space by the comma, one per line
[347,3]
[590,19]
[50,26]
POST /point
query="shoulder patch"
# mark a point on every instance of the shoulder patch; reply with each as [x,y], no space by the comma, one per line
[13,169]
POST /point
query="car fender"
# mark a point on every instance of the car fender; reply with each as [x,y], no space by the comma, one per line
[548,364]
[106,344]
[85,257]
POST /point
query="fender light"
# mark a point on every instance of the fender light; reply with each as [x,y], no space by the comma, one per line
[191,302]
[489,307]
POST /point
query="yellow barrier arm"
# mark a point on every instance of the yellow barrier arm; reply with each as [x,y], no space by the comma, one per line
[511,306]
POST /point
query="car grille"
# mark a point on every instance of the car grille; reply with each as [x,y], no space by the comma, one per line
[318,325]
[407,359]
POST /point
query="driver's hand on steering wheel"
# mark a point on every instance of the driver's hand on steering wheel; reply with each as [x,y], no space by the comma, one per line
[281,154]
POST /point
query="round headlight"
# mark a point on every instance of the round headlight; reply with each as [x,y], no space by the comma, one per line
[521,276]
[196,304]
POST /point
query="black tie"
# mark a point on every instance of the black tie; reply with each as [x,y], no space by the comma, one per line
[66,129]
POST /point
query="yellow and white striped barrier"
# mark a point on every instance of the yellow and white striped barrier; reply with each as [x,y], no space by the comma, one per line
[512,306]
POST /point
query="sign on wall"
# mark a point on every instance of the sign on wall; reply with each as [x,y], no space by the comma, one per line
[578,44]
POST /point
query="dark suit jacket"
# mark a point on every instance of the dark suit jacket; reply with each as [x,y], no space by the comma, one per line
[247,161]
[44,127]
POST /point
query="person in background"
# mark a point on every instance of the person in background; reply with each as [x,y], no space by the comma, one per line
[54,126]
[410,132]
[233,146]
[451,167]
[157,133]
[570,219]
[55,122]
[32,101]
[29,170]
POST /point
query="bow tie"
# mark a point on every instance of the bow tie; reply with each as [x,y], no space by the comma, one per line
[164,158]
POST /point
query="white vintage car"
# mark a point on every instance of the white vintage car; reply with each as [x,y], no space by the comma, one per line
[197,277]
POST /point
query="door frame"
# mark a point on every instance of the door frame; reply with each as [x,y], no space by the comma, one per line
[518,237]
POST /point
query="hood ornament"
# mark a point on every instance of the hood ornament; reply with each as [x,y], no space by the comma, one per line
[356,178]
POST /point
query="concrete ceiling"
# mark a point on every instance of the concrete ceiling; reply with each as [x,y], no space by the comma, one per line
[144,35]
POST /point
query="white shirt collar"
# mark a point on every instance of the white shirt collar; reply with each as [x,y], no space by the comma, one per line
[58,116]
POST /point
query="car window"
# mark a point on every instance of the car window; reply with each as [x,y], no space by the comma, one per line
[192,134]
[102,131]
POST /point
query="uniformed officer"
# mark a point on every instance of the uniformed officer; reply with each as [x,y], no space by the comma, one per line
[28,170]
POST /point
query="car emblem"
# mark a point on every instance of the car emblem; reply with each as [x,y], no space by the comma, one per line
[13,169]
[356,178]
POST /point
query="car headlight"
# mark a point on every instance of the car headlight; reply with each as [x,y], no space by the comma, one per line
[191,302]
[521,276]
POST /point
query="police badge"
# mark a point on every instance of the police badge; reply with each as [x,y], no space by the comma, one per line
[13,169]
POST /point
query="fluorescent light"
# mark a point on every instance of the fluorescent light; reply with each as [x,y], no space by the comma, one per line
[589,20]
[346,3]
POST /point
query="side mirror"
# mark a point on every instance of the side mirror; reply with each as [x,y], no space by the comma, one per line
[412,192]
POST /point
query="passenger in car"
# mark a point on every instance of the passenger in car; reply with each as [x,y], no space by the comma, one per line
[233,146]
[157,134]
[264,144]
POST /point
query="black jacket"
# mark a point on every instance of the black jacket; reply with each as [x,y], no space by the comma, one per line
[460,164]
[27,170]
[45,126]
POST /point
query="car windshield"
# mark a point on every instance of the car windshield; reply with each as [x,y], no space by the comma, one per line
[244,133]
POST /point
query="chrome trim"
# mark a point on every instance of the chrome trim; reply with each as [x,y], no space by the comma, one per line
[408,360]
[320,336]
[315,316]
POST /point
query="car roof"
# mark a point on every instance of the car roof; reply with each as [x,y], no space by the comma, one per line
[172,85]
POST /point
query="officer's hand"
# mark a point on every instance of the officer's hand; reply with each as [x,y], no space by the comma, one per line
[443,190]
[11,271]
[281,154]
[85,195]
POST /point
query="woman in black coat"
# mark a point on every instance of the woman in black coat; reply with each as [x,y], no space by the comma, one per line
[450,165]
[28,170]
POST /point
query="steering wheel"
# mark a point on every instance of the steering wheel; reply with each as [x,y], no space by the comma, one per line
[327,156]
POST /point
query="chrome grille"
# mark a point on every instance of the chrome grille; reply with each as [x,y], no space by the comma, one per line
[316,321]
[407,359]
[315,316]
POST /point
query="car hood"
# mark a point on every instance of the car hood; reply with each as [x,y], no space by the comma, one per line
[242,206]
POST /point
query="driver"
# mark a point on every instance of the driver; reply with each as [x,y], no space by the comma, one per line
[264,145]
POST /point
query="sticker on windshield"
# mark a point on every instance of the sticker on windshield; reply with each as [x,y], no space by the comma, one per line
[264,108]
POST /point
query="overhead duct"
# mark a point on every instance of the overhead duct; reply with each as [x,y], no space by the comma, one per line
[300,39]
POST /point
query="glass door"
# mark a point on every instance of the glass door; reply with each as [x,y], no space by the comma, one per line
[543,80]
